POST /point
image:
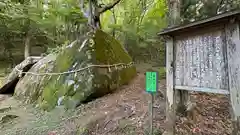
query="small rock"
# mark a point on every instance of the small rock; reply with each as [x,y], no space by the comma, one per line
[2,110]
[7,118]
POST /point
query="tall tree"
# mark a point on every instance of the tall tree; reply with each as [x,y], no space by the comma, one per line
[174,12]
[27,30]
[95,10]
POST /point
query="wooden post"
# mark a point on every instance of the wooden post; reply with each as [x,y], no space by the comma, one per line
[175,19]
[170,93]
[233,55]
[151,114]
[184,100]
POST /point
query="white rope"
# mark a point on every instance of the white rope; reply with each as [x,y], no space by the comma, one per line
[79,70]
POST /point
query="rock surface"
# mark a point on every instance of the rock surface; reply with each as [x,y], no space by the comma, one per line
[13,78]
[29,88]
[72,89]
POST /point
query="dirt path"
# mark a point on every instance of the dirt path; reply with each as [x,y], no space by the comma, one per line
[121,113]
[124,112]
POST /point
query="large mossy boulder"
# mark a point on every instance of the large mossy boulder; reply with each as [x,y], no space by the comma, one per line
[29,88]
[92,77]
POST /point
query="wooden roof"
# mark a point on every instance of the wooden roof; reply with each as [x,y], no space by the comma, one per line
[218,19]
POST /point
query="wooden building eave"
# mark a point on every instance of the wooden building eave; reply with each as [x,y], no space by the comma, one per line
[216,20]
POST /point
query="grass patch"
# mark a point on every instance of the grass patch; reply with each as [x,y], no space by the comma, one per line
[155,132]
[162,73]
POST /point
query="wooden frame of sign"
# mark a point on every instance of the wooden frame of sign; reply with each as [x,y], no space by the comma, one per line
[204,56]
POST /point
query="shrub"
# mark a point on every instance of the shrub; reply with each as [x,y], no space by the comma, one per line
[162,73]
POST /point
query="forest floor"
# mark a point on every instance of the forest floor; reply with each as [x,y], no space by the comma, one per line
[124,112]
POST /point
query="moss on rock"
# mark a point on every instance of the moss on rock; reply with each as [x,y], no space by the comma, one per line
[73,89]
[109,51]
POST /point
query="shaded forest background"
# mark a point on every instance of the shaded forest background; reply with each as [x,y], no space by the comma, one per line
[40,27]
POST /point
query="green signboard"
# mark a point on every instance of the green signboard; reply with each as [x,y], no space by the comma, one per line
[151,82]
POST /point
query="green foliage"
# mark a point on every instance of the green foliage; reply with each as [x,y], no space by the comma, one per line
[136,25]
[162,73]
[193,10]
[47,27]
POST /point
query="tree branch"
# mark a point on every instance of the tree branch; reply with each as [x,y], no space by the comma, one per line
[108,7]
[218,6]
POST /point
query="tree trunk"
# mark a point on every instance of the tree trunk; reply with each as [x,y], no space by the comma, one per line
[95,11]
[94,15]
[27,29]
[174,12]
[115,22]
[172,94]
[27,49]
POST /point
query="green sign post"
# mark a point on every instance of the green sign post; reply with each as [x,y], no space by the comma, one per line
[151,82]
[151,87]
